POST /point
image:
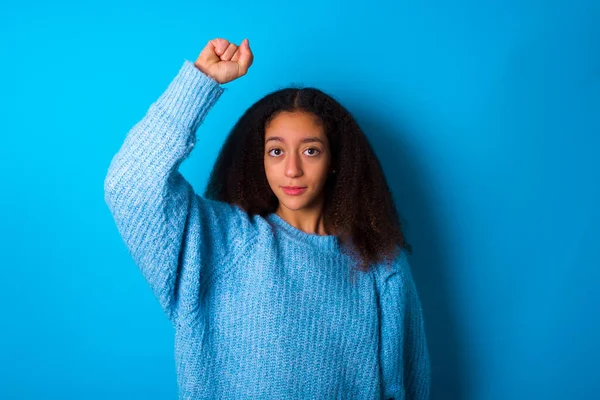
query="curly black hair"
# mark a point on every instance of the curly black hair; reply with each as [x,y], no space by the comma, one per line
[359,207]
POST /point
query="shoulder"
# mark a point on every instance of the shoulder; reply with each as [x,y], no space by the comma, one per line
[221,228]
[245,229]
[395,274]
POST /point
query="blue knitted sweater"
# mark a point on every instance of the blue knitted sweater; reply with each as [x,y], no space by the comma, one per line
[260,309]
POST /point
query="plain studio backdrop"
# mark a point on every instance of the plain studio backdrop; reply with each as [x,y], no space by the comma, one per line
[486,119]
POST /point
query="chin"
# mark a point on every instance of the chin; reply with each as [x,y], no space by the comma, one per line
[293,205]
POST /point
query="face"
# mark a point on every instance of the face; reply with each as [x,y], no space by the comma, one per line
[297,154]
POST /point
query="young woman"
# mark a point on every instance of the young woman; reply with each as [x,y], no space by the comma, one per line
[288,278]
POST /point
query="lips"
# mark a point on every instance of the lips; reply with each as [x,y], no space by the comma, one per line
[293,190]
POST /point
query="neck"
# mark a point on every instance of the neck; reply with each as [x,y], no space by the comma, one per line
[307,220]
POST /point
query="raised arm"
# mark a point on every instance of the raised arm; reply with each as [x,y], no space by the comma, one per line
[177,238]
[404,352]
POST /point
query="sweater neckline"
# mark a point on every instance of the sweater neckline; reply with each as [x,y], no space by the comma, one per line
[325,242]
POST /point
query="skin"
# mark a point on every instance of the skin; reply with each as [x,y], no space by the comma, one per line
[224,61]
[288,162]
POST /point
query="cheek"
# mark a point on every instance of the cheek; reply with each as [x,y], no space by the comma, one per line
[322,170]
[269,173]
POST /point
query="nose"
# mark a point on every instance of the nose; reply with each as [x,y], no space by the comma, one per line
[292,167]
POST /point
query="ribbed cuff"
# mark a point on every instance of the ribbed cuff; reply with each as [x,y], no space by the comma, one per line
[189,96]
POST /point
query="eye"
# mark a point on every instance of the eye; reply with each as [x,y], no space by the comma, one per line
[314,149]
[272,151]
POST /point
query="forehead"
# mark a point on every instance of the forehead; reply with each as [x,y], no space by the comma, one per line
[295,126]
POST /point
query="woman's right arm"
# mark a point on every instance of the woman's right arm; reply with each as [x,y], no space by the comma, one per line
[175,237]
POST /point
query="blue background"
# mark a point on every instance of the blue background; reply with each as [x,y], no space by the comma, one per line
[485,116]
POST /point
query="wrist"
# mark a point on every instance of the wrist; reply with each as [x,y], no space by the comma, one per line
[205,72]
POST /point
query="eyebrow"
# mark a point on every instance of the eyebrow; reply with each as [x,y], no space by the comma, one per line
[305,140]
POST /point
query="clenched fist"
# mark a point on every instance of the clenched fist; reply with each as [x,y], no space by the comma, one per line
[224,61]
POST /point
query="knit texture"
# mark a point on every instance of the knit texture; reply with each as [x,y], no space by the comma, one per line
[261,309]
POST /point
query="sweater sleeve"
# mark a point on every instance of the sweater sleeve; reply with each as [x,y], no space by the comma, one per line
[404,352]
[177,238]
